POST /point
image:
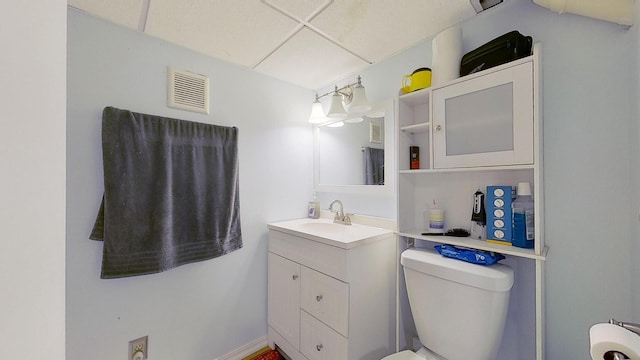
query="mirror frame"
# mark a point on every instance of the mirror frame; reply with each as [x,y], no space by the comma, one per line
[389,157]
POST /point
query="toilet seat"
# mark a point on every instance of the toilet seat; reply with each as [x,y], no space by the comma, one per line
[404,355]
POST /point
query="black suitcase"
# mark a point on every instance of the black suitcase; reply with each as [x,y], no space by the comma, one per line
[508,47]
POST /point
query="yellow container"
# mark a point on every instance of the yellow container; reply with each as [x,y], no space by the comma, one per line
[419,79]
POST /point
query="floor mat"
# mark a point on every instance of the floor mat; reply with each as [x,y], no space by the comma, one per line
[265,353]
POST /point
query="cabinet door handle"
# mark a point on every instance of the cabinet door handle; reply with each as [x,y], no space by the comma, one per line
[319,347]
[295,277]
[438,127]
[318,298]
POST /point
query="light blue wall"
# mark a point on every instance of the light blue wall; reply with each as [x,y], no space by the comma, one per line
[201,310]
[635,166]
[590,91]
[590,81]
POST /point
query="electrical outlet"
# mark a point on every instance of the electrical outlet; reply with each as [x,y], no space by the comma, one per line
[139,348]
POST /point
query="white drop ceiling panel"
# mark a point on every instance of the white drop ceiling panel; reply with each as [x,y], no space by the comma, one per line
[375,29]
[301,10]
[241,32]
[312,43]
[311,61]
[123,12]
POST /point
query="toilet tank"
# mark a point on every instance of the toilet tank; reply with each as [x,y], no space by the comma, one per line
[459,308]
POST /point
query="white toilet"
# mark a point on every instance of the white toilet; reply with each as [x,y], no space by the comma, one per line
[459,308]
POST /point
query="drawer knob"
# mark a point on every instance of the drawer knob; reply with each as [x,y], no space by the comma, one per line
[318,298]
[295,277]
[438,127]
[319,347]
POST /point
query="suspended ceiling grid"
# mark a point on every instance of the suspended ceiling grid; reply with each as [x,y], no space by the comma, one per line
[311,43]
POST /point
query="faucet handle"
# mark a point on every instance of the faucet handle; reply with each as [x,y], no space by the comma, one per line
[347,218]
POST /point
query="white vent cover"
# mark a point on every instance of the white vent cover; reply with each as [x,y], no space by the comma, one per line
[188,91]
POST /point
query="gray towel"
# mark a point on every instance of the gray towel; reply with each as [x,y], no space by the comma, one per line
[170,193]
[373,166]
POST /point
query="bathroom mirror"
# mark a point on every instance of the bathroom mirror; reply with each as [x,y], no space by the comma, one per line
[355,154]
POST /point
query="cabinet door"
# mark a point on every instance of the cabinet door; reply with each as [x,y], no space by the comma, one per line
[486,120]
[284,298]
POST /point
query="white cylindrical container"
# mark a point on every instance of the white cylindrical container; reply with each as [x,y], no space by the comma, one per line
[436,221]
[446,54]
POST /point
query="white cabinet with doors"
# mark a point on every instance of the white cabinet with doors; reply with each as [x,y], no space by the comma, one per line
[485,121]
[328,302]
[476,131]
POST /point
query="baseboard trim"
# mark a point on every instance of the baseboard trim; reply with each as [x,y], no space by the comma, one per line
[245,350]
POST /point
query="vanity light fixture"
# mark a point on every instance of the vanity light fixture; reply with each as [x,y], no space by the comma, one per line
[355,120]
[317,112]
[336,109]
[352,96]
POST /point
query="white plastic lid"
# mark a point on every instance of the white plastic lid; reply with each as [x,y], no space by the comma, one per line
[497,277]
[524,189]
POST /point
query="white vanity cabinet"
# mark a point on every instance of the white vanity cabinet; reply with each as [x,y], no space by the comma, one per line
[331,300]
[479,130]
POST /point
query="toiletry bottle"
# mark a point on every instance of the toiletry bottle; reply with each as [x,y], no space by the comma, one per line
[313,210]
[523,217]
[436,219]
[414,157]
[425,215]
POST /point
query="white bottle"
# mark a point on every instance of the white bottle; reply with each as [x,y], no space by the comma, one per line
[523,217]
[313,211]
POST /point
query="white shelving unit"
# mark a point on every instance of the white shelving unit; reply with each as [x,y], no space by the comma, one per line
[453,189]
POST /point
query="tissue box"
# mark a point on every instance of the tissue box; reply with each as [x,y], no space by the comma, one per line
[499,228]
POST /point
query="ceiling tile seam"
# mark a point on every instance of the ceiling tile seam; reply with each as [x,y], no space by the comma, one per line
[337,43]
[313,14]
[306,23]
[144,14]
[295,30]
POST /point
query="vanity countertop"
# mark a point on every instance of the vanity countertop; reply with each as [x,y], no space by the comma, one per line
[325,231]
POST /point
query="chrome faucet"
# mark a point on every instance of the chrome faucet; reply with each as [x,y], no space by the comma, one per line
[340,217]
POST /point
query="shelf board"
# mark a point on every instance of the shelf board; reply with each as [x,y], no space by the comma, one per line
[478,244]
[417,97]
[470,169]
[416,128]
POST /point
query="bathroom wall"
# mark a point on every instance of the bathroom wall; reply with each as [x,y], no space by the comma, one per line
[201,310]
[590,91]
[635,167]
[32,185]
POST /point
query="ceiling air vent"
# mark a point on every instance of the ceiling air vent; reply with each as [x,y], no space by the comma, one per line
[188,91]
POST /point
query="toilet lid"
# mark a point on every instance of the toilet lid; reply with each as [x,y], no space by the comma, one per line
[403,355]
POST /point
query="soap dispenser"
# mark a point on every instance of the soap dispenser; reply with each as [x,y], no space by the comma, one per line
[313,211]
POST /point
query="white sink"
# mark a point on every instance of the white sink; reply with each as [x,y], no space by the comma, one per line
[320,228]
[325,230]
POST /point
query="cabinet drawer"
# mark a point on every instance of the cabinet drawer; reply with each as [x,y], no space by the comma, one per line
[322,257]
[325,298]
[319,342]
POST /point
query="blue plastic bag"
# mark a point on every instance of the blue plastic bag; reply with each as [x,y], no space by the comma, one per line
[469,255]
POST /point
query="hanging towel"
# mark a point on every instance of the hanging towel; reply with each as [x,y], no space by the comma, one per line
[170,193]
[373,166]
